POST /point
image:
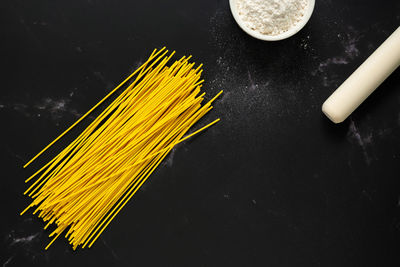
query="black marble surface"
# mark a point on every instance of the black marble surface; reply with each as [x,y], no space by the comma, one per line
[274,184]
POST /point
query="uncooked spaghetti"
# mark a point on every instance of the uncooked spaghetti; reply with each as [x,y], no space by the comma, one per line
[83,188]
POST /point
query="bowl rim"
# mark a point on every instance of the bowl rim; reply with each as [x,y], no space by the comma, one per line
[292,31]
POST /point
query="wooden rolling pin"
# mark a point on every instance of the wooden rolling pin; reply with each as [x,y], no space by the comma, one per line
[364,80]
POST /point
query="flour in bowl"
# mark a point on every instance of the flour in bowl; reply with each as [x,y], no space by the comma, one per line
[271,17]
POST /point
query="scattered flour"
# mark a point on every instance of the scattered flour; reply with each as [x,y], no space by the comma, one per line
[271,17]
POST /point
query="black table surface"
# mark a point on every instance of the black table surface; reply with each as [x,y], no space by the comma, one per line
[275,183]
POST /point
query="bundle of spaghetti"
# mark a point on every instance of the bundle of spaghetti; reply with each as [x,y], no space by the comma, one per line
[83,188]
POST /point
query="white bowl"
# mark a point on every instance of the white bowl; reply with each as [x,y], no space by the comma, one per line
[292,31]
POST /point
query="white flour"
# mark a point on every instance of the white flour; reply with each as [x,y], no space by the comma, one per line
[271,17]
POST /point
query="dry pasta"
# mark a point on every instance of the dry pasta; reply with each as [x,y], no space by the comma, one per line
[84,187]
